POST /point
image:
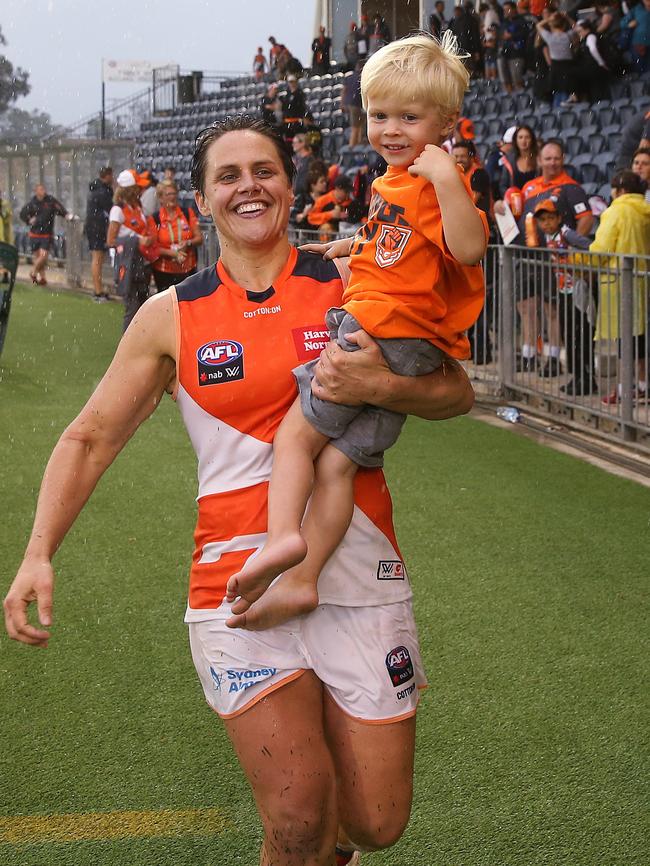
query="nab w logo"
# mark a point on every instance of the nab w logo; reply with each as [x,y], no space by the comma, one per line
[392,569]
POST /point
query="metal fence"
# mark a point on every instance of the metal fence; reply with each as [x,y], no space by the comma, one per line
[565,334]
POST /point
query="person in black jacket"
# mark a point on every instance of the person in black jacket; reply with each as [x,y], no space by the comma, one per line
[39,214]
[98,206]
[294,108]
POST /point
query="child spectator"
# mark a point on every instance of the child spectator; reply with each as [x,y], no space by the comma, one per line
[415,285]
[331,208]
[571,297]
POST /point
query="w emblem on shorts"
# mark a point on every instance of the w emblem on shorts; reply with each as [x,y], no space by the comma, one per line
[390,244]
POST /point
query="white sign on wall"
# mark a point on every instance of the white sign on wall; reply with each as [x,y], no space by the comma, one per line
[132,70]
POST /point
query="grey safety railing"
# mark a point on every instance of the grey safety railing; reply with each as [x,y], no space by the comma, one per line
[565,332]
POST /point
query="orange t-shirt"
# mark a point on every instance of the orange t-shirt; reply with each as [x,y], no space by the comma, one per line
[404,281]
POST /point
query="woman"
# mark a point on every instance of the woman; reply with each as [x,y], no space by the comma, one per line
[590,74]
[555,31]
[637,21]
[178,235]
[127,223]
[224,345]
[519,166]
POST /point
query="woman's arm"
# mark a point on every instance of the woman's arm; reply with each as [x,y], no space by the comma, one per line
[111,234]
[364,377]
[129,392]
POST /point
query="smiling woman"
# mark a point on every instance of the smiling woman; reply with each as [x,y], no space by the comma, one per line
[320,709]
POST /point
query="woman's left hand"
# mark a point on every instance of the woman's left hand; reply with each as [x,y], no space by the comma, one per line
[351,377]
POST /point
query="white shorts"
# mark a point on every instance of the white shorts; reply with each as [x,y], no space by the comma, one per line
[368,659]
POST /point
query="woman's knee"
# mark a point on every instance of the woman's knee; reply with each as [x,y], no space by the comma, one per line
[300,826]
[373,835]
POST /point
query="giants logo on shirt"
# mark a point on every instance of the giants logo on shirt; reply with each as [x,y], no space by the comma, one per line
[220,361]
[399,665]
[310,341]
[390,245]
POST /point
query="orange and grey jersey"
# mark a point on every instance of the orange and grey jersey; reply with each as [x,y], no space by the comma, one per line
[235,353]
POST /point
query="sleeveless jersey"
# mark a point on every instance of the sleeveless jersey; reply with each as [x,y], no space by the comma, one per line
[235,353]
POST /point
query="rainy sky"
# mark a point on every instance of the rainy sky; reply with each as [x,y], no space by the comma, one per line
[62,42]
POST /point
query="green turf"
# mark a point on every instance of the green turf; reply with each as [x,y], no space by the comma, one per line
[531,576]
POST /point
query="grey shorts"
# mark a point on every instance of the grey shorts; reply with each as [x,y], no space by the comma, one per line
[363,432]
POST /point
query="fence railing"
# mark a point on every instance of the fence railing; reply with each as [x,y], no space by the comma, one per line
[563,333]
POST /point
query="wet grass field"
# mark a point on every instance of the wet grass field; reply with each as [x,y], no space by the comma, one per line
[530,571]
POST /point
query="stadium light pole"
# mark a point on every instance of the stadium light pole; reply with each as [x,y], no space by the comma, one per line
[103,123]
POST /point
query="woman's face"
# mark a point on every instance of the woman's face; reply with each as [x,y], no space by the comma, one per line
[169,197]
[524,140]
[641,166]
[246,191]
[319,187]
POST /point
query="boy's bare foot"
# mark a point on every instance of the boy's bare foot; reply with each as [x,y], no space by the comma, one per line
[259,572]
[285,599]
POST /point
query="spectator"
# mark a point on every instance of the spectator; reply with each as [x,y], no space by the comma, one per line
[609,18]
[590,75]
[624,229]
[437,21]
[178,234]
[464,153]
[572,296]
[556,32]
[275,51]
[260,65]
[320,53]
[572,203]
[302,159]
[271,108]
[98,206]
[363,42]
[519,165]
[331,208]
[131,234]
[149,198]
[6,228]
[638,21]
[313,135]
[489,41]
[641,167]
[494,159]
[169,172]
[352,105]
[379,34]
[511,52]
[635,134]
[351,47]
[465,27]
[304,201]
[39,213]
[294,108]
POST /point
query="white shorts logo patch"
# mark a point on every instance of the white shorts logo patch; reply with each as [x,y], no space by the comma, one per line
[390,244]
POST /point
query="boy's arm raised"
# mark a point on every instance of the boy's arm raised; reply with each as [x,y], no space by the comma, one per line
[462,225]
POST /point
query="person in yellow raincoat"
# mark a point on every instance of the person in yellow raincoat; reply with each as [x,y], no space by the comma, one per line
[625,230]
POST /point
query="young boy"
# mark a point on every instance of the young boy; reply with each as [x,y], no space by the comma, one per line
[416,285]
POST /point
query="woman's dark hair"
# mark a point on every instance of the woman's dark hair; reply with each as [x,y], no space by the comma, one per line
[587,25]
[628,181]
[237,123]
[533,140]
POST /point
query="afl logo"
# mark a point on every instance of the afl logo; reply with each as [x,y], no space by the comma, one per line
[219,352]
[220,361]
[399,665]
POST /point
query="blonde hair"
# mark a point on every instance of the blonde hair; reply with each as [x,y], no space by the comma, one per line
[126,195]
[420,69]
[166,184]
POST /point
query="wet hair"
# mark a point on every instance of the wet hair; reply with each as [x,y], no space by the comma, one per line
[628,181]
[237,123]
[420,69]
[104,171]
[127,195]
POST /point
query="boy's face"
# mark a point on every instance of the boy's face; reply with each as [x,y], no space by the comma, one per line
[548,222]
[400,130]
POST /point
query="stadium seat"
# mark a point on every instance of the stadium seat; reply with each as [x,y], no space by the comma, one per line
[573,145]
[606,162]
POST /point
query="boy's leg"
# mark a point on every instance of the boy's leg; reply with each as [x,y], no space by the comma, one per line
[295,447]
[326,522]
